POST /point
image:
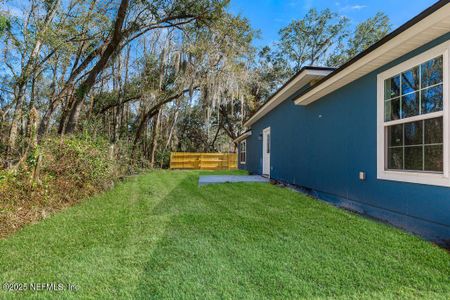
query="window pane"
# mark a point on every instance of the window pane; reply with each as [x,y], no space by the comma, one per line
[392,87]
[268,143]
[432,99]
[410,81]
[410,105]
[392,110]
[434,158]
[414,158]
[431,72]
[434,131]
[413,133]
[415,146]
[395,158]
[395,135]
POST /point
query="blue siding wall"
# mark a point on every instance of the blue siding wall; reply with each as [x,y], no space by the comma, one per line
[324,145]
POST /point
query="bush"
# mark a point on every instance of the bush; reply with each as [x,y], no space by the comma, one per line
[163,159]
[76,164]
[68,170]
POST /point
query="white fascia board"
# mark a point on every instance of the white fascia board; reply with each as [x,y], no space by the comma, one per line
[242,137]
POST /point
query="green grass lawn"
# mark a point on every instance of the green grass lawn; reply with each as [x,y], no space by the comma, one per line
[161,236]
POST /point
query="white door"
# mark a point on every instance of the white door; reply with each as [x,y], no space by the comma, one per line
[266,152]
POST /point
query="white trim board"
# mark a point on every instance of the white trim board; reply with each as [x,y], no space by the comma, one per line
[243,162]
[242,137]
[266,155]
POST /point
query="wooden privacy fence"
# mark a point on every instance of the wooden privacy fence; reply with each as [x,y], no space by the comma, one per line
[203,161]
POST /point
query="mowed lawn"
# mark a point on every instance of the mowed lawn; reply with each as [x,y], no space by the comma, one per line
[160,236]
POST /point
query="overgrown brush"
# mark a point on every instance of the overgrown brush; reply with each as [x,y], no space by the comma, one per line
[56,174]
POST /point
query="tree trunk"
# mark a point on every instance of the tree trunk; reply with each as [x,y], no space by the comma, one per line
[88,83]
[65,112]
[154,140]
[27,70]
[151,112]
[45,122]
[212,146]
[32,100]
[123,111]
[169,138]
[172,128]
[11,149]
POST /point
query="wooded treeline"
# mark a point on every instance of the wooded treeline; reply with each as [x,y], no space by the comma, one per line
[150,76]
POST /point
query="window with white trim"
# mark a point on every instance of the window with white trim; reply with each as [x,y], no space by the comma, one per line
[413,119]
[243,152]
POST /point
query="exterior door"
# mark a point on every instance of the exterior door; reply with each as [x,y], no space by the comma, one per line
[266,152]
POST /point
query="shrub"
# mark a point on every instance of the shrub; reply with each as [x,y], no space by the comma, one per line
[163,159]
[75,164]
[69,169]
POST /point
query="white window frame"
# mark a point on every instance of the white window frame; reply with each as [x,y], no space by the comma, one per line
[441,179]
[243,162]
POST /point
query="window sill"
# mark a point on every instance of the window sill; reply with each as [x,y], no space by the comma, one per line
[415,177]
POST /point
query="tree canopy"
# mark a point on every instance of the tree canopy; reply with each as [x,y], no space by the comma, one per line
[151,76]
[308,41]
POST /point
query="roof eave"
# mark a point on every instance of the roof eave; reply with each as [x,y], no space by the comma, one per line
[242,136]
[427,26]
[284,92]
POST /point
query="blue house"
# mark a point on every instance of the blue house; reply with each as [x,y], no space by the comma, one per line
[371,136]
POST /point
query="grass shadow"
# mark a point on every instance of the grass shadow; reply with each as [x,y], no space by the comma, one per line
[161,236]
[259,241]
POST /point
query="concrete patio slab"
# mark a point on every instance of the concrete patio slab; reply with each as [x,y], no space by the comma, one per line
[215,179]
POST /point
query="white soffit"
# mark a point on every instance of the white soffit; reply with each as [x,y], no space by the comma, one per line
[303,78]
[424,31]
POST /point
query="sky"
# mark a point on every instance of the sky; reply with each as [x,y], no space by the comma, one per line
[269,16]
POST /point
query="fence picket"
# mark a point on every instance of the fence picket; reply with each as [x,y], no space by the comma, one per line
[203,161]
